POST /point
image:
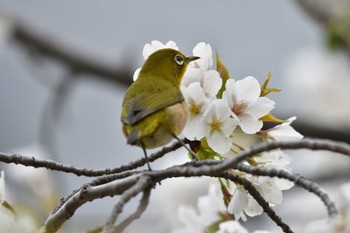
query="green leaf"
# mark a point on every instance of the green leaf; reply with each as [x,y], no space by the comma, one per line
[265,90]
[224,74]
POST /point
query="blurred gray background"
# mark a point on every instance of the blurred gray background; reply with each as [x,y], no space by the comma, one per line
[253,38]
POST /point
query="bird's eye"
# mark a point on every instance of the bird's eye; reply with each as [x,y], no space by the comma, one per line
[179,59]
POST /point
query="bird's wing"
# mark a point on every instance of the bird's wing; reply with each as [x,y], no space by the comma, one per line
[144,104]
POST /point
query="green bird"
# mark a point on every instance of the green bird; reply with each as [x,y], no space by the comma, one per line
[153,109]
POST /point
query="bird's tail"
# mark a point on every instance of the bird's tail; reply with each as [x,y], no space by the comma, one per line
[132,138]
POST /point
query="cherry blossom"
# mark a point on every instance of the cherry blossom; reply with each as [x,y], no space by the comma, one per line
[243,98]
[218,126]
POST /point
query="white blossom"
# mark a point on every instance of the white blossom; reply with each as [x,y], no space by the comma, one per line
[218,126]
[209,206]
[284,132]
[238,202]
[209,80]
[205,53]
[270,188]
[231,227]
[200,71]
[197,105]
[136,74]
[207,213]
[155,45]
[191,220]
[243,98]
[150,48]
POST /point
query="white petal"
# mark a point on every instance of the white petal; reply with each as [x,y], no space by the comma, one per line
[202,49]
[136,74]
[171,44]
[270,191]
[283,184]
[238,202]
[221,109]
[205,53]
[211,112]
[148,49]
[194,93]
[247,90]
[192,75]
[228,126]
[210,205]
[261,107]
[227,95]
[253,208]
[219,143]
[285,132]
[231,227]
[211,82]
[249,125]
[194,128]
[189,218]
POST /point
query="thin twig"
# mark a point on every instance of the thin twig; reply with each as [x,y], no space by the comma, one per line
[297,179]
[55,166]
[139,186]
[307,143]
[137,214]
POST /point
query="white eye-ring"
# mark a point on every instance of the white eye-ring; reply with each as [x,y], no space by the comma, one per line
[179,59]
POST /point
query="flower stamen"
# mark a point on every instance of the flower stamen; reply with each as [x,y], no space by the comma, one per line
[216,125]
[239,107]
[194,109]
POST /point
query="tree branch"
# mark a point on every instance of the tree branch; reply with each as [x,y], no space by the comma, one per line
[110,187]
[297,179]
[86,194]
[55,166]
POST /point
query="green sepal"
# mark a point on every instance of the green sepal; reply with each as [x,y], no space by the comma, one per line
[224,74]
[271,118]
[226,194]
[205,152]
[7,206]
[96,230]
[213,227]
[265,90]
[252,162]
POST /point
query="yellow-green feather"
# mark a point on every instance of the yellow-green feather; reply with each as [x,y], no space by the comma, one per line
[146,111]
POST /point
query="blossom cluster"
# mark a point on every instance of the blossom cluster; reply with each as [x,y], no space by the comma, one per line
[222,109]
[207,216]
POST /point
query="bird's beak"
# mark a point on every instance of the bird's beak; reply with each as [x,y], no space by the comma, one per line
[191,58]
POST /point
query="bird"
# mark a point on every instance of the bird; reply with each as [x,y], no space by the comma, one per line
[154,110]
